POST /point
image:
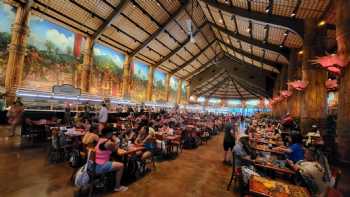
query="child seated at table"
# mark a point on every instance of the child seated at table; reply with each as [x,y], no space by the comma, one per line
[108,143]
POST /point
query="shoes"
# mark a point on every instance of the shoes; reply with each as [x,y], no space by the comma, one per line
[121,189]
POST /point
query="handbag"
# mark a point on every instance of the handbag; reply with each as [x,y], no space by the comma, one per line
[82,177]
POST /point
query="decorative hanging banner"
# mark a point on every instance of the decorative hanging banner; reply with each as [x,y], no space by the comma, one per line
[333,63]
[298,85]
[331,85]
[286,93]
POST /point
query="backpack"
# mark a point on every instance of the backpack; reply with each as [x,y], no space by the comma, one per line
[82,177]
[75,160]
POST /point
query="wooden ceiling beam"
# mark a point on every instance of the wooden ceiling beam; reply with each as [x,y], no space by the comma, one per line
[208,81]
[192,59]
[161,29]
[205,65]
[236,87]
[293,24]
[254,57]
[182,45]
[218,84]
[108,21]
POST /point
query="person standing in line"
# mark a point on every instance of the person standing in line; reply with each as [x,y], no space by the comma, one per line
[102,117]
[14,116]
[229,139]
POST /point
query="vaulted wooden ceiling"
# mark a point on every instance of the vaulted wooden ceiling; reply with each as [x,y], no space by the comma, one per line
[251,32]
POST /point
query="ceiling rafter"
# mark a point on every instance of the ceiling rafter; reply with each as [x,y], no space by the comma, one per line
[115,13]
[192,59]
[218,84]
[213,19]
[235,85]
[252,90]
[161,29]
[254,57]
[238,61]
[182,45]
[293,24]
[198,71]
[208,82]
[218,87]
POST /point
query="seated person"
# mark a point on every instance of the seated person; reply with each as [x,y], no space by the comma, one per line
[104,148]
[242,150]
[295,151]
[313,174]
[147,139]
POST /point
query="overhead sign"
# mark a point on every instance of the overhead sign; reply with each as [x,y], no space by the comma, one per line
[66,89]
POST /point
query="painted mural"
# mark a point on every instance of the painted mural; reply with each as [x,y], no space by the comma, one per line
[107,71]
[138,85]
[53,56]
[7,15]
[158,86]
[173,89]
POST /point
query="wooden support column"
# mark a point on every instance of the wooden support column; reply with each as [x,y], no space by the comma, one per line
[179,92]
[150,83]
[188,92]
[87,62]
[283,86]
[314,99]
[276,107]
[167,86]
[293,74]
[343,40]
[17,50]
[126,77]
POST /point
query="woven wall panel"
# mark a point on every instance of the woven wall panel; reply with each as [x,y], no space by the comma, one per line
[243,25]
[259,6]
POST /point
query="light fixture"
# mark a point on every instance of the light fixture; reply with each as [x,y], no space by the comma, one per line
[226,1]
[293,14]
[264,41]
[321,23]
[248,29]
[220,21]
[285,33]
[301,52]
[265,27]
[281,46]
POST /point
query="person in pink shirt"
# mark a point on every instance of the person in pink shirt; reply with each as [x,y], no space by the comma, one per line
[108,143]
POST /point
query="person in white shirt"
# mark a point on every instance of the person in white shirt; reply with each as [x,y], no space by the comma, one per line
[102,117]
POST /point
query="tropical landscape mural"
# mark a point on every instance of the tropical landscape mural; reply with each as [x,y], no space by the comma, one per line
[107,71]
[158,86]
[138,85]
[50,59]
[7,15]
[173,89]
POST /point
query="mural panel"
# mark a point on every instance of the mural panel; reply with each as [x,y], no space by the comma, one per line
[173,89]
[107,71]
[50,59]
[158,86]
[138,85]
[7,15]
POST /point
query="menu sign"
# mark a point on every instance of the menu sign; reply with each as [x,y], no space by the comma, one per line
[66,89]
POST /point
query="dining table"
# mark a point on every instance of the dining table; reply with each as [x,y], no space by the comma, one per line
[261,186]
